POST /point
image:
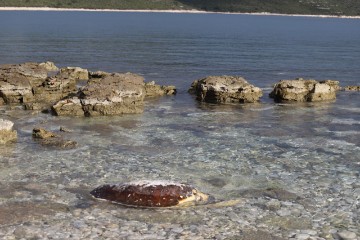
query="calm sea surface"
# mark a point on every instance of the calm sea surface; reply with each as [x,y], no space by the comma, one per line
[311,150]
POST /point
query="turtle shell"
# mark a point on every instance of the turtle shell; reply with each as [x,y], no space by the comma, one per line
[149,193]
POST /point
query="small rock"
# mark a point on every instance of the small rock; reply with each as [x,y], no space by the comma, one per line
[346,235]
[283,212]
[41,133]
[49,139]
[7,135]
[302,236]
[64,129]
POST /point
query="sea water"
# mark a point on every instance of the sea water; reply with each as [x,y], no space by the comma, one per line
[310,150]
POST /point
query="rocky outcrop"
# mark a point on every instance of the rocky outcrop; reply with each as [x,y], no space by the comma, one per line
[225,89]
[154,90]
[151,194]
[35,85]
[351,88]
[50,139]
[110,94]
[40,86]
[301,90]
[7,134]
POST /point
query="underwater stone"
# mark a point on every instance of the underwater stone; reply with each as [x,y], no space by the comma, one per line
[151,194]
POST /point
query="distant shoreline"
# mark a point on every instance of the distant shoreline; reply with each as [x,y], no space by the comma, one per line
[167,11]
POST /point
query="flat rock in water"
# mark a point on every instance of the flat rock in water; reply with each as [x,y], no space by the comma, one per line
[150,194]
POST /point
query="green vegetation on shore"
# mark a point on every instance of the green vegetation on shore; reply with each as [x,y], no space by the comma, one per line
[316,7]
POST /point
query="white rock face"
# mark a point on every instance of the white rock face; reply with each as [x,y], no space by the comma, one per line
[6,133]
[6,125]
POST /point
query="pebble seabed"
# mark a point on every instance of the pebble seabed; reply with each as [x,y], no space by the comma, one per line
[277,171]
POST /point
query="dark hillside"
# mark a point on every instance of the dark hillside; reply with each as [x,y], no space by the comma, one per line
[332,7]
[316,7]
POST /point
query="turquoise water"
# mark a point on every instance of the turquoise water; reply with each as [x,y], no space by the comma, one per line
[310,149]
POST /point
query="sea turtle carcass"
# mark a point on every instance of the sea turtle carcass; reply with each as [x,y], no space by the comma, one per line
[151,194]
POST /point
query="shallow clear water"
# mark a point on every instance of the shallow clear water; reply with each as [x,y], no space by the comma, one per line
[311,150]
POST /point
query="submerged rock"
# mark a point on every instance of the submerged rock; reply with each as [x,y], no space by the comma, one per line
[7,134]
[150,194]
[225,89]
[41,133]
[352,88]
[301,90]
[50,139]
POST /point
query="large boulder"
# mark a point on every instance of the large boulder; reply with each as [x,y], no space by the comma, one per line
[35,85]
[225,89]
[301,90]
[7,134]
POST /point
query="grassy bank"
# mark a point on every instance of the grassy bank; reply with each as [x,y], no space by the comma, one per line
[316,7]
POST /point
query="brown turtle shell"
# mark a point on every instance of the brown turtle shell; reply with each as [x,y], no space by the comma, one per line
[148,193]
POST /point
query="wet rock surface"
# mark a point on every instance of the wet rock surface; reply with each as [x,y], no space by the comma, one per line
[225,89]
[150,194]
[301,90]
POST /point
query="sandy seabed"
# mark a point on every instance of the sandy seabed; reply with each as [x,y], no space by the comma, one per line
[166,11]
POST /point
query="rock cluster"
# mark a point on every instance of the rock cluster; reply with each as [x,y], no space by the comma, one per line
[301,90]
[40,86]
[225,89]
[7,134]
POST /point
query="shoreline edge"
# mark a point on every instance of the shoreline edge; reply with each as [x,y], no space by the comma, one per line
[168,11]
